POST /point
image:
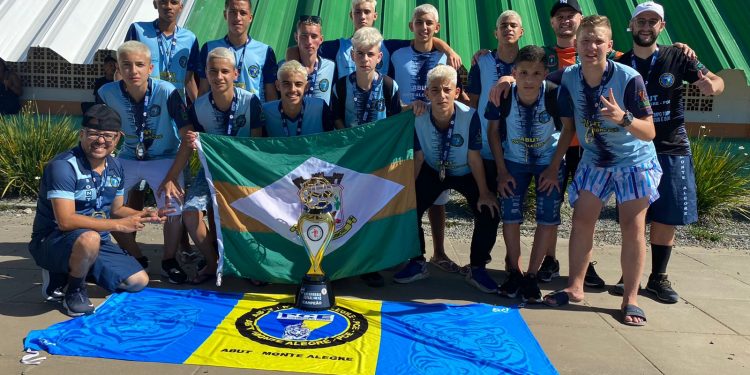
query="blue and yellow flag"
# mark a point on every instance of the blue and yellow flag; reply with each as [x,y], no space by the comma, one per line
[266,332]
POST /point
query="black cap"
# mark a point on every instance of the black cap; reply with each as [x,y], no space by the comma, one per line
[559,4]
[101,117]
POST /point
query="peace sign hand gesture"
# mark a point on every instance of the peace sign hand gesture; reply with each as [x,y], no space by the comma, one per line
[610,109]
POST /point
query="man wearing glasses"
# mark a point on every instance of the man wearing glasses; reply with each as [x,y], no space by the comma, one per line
[80,201]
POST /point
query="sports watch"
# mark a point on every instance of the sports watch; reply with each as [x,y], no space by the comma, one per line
[627,119]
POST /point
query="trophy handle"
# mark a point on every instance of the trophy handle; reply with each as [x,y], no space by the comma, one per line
[316,231]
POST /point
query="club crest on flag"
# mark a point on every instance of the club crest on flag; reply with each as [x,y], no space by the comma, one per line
[278,207]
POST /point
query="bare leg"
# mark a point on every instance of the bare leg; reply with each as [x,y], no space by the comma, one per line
[436,215]
[202,238]
[662,234]
[585,213]
[632,225]
[544,237]
[135,283]
[84,254]
[512,238]
[172,236]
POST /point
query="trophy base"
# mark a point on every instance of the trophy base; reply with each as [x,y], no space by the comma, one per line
[314,294]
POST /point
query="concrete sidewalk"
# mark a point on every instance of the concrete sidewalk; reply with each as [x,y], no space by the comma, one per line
[708,331]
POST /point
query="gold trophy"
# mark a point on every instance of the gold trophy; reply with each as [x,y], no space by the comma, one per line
[315,227]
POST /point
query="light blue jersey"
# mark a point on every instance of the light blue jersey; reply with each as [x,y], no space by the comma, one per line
[358,107]
[165,114]
[171,56]
[606,144]
[321,80]
[529,135]
[340,51]
[314,118]
[466,136]
[256,63]
[409,69]
[243,115]
[482,78]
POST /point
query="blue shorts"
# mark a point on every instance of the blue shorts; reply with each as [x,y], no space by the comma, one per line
[677,203]
[112,267]
[547,205]
[198,193]
[628,183]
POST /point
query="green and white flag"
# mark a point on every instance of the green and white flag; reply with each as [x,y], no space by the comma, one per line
[255,184]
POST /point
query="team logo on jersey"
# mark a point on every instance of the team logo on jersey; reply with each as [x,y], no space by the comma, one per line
[183,61]
[544,117]
[457,140]
[284,326]
[154,110]
[552,61]
[380,106]
[666,80]
[324,85]
[253,70]
[113,181]
[241,120]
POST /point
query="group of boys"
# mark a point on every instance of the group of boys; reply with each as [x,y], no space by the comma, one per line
[514,125]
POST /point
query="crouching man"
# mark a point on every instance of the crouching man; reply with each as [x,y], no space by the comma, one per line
[80,201]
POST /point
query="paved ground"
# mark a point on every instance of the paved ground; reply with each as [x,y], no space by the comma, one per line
[708,331]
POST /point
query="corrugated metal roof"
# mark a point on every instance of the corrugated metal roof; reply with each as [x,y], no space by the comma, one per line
[74,29]
[717,29]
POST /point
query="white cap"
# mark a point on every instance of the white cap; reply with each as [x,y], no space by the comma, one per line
[649,6]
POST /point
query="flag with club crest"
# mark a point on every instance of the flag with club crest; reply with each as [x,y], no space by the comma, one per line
[255,185]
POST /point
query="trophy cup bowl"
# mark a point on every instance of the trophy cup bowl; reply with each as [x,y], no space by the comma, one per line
[316,227]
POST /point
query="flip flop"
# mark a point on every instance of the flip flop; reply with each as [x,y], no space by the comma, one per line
[446,265]
[556,299]
[633,311]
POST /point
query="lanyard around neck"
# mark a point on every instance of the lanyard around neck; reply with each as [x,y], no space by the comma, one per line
[167,54]
[654,57]
[232,111]
[300,116]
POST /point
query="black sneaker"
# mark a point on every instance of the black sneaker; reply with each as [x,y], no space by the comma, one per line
[530,289]
[373,279]
[549,270]
[511,285]
[662,288]
[173,272]
[592,279]
[77,302]
[53,284]
[619,288]
[143,261]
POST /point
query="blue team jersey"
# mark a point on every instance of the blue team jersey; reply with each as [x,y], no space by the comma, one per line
[466,136]
[321,80]
[207,118]
[171,56]
[256,63]
[606,143]
[166,114]
[529,135]
[69,176]
[314,118]
[340,51]
[482,78]
[360,107]
[409,68]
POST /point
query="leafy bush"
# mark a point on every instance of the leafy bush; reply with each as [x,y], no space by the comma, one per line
[722,184]
[27,142]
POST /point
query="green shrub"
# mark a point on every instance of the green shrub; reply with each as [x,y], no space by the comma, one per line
[722,185]
[27,142]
